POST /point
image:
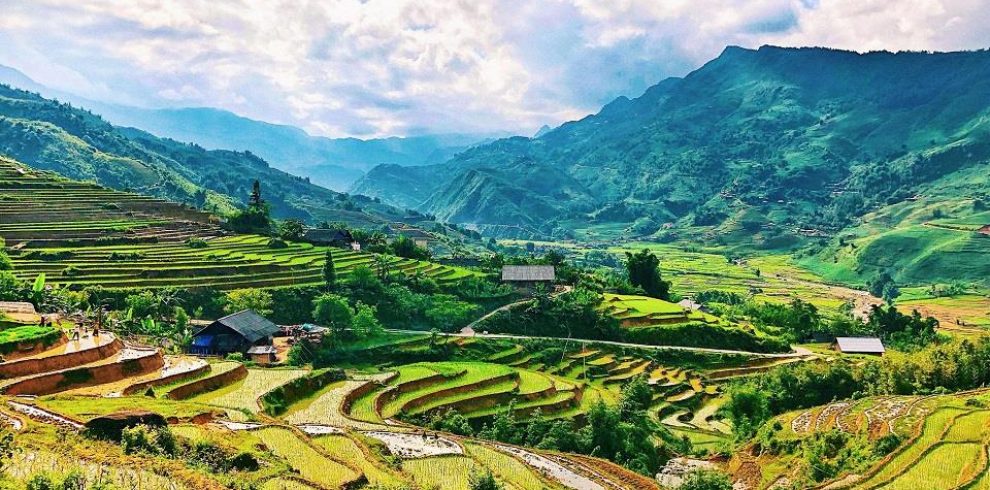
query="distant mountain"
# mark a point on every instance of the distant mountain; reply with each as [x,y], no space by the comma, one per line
[768,148]
[76,143]
[332,163]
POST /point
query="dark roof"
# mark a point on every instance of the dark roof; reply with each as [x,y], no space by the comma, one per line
[528,273]
[248,324]
[865,345]
[327,235]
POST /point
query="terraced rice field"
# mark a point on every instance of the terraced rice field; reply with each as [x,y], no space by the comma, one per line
[242,396]
[311,464]
[82,234]
[445,472]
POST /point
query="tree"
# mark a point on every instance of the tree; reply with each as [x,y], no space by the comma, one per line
[249,299]
[291,229]
[404,247]
[333,312]
[329,271]
[5,262]
[644,272]
[365,322]
[883,286]
[383,266]
[706,480]
[484,481]
[255,200]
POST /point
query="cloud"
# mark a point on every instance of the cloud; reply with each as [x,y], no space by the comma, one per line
[384,67]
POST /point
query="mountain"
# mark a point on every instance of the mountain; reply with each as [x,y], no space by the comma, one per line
[335,163]
[78,144]
[771,148]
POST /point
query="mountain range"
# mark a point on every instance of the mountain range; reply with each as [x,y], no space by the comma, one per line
[334,163]
[55,136]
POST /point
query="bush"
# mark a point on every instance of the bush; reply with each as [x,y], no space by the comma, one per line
[196,242]
[277,243]
[236,357]
[71,271]
[706,480]
[41,481]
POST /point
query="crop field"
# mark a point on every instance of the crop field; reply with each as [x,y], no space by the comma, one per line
[643,310]
[243,395]
[311,464]
[81,234]
[445,472]
[945,440]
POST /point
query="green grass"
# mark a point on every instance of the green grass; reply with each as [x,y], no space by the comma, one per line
[27,333]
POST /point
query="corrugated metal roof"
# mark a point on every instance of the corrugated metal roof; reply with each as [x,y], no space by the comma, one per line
[528,273]
[249,325]
[261,349]
[866,345]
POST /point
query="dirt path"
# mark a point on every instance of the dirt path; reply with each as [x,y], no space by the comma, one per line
[795,350]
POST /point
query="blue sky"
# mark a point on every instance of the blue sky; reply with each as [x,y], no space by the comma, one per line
[376,68]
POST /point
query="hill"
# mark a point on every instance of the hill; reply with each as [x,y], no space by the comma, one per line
[335,163]
[78,144]
[83,234]
[772,148]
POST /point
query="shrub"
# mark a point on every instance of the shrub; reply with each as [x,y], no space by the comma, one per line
[196,242]
[706,480]
[277,243]
[41,481]
[236,356]
[71,271]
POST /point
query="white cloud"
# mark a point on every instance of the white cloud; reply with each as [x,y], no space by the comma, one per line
[382,67]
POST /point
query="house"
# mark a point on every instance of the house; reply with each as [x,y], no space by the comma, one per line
[262,354]
[529,276]
[421,238]
[238,332]
[336,237]
[860,345]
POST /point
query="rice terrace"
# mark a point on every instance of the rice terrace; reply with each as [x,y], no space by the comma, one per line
[458,246]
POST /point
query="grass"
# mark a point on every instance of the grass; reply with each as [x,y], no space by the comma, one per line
[84,408]
[27,333]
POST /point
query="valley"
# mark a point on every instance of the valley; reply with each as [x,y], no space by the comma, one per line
[770,273]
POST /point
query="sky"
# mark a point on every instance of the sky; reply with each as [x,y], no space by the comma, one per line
[372,68]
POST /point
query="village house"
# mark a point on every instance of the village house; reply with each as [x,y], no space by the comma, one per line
[334,237]
[859,345]
[529,276]
[239,332]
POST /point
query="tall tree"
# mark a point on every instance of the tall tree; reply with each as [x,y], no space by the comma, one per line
[644,272]
[256,200]
[329,271]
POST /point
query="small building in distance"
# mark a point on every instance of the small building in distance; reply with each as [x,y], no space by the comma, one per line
[689,305]
[335,237]
[421,238]
[238,332]
[529,276]
[860,345]
[262,355]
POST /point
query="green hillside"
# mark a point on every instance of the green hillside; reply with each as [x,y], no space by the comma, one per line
[78,144]
[82,234]
[773,148]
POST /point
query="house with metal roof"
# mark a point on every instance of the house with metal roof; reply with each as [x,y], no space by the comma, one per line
[860,345]
[529,276]
[238,332]
[329,236]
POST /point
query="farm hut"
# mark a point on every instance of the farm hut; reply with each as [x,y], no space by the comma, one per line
[528,276]
[262,354]
[234,333]
[335,237]
[859,345]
